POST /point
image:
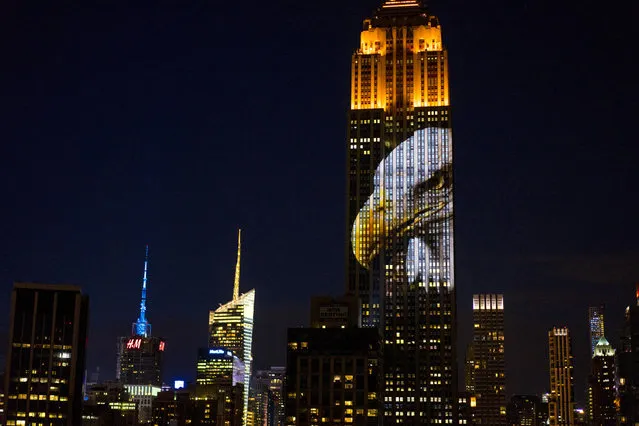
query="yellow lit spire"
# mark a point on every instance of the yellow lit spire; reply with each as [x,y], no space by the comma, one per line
[236,285]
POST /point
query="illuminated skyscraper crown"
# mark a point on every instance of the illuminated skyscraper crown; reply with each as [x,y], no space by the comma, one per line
[142,327]
[603,348]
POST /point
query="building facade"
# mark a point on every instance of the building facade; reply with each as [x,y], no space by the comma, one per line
[561,403]
[488,364]
[140,358]
[603,386]
[231,327]
[46,355]
[399,208]
[333,376]
[335,312]
[596,328]
[273,380]
[629,365]
[524,410]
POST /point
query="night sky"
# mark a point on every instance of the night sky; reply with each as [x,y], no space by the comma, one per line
[173,125]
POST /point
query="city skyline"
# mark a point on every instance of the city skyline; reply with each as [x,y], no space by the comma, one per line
[153,173]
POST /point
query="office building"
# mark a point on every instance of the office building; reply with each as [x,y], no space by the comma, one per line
[488,364]
[140,358]
[262,405]
[602,389]
[333,375]
[273,380]
[231,327]
[46,355]
[173,407]
[335,312]
[561,404]
[399,208]
[629,365]
[595,325]
[109,404]
[525,410]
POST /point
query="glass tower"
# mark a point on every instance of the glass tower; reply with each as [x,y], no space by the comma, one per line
[231,327]
[595,326]
[400,260]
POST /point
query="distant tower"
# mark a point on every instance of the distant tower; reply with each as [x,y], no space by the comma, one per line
[488,355]
[142,327]
[231,327]
[561,405]
[603,385]
[595,325]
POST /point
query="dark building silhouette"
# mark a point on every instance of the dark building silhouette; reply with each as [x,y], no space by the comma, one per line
[603,385]
[46,354]
[525,410]
[333,375]
[487,367]
[173,408]
[335,312]
[109,404]
[629,365]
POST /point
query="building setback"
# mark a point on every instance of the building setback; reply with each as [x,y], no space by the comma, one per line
[399,257]
[561,403]
[333,375]
[46,354]
[489,368]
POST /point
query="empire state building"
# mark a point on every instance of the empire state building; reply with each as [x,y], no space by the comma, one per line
[400,257]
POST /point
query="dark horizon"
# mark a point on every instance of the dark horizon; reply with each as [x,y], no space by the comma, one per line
[132,124]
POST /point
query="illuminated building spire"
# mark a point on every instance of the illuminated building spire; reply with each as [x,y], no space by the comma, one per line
[236,284]
[142,327]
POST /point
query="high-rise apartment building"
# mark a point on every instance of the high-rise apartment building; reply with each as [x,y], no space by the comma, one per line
[140,358]
[399,202]
[231,327]
[602,386]
[595,325]
[629,365]
[333,376]
[561,403]
[46,355]
[489,367]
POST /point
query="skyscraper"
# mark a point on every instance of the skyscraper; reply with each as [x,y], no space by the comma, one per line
[46,354]
[231,327]
[629,365]
[140,357]
[561,404]
[273,380]
[399,202]
[603,385]
[595,325]
[489,363]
